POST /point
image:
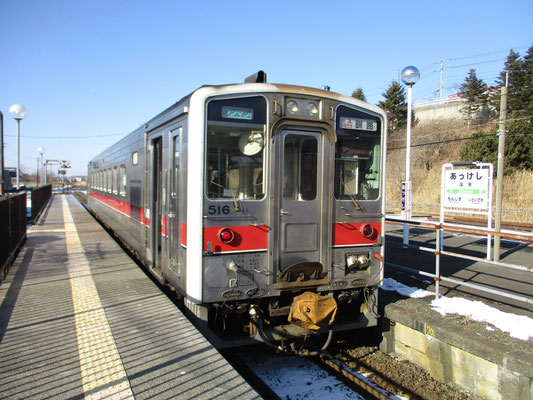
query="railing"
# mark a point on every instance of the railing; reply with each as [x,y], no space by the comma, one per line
[12,229]
[39,199]
[439,250]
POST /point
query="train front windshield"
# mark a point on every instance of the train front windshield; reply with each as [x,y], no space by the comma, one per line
[236,133]
[357,155]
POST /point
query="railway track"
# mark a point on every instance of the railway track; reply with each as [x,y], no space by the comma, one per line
[353,368]
[282,376]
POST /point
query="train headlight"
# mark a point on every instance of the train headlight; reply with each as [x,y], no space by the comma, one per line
[311,109]
[351,261]
[292,107]
[357,261]
[363,261]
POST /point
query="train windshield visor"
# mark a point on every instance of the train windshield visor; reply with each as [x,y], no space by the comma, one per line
[357,155]
[236,133]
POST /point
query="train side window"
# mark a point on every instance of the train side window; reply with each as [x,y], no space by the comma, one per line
[135,158]
[115,180]
[109,180]
[123,180]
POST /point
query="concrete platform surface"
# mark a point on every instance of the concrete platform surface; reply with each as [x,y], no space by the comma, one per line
[79,319]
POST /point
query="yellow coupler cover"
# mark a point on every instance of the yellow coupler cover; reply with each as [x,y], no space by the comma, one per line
[313,311]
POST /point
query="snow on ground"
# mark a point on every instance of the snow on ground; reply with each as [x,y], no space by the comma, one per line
[296,378]
[518,326]
[391,285]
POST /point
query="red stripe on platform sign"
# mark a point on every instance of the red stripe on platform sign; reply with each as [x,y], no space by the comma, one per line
[245,239]
[350,234]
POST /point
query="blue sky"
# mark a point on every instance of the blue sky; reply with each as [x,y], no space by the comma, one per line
[89,72]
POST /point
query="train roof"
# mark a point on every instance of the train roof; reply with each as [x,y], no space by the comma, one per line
[206,91]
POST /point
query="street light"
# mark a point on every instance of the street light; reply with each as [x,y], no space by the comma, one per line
[18,112]
[410,75]
[41,150]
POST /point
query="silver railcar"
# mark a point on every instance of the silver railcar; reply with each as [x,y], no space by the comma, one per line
[245,197]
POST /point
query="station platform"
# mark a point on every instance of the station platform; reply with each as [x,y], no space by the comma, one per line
[79,319]
[455,348]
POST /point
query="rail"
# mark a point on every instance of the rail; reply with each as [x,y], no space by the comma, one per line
[12,229]
[439,251]
[39,198]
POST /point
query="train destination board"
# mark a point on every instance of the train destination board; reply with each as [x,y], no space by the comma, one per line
[238,113]
[359,124]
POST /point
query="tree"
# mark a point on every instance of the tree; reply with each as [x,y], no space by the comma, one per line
[474,91]
[520,80]
[483,146]
[528,88]
[395,104]
[359,94]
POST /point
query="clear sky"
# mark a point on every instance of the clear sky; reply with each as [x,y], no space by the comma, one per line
[89,72]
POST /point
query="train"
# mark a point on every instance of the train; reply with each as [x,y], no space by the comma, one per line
[261,205]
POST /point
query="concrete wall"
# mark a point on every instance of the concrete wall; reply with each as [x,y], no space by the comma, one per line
[490,369]
[439,112]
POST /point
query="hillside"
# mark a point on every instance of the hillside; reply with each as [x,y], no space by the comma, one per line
[442,144]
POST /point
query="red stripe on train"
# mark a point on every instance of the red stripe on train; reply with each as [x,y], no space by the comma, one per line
[133,212]
[245,238]
[350,234]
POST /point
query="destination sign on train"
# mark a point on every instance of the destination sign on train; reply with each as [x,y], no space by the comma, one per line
[237,113]
[359,124]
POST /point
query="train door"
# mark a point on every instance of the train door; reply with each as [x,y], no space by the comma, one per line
[173,214]
[301,228]
[157,205]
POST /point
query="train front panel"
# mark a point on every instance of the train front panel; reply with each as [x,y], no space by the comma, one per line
[285,196]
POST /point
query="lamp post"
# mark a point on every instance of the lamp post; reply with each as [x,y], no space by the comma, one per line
[18,112]
[410,75]
[41,150]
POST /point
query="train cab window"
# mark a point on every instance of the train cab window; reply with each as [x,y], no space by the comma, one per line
[357,155]
[236,138]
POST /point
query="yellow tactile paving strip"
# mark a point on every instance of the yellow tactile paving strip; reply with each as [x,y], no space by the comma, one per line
[103,374]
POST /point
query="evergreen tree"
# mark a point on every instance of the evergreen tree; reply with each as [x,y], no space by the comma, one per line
[516,97]
[483,146]
[528,83]
[474,90]
[359,94]
[395,104]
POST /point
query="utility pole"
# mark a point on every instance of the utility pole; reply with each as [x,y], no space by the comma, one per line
[499,173]
[441,77]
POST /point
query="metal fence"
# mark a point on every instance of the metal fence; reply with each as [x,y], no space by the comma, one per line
[39,199]
[12,229]
[439,250]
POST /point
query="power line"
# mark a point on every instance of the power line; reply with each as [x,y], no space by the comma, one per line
[70,137]
[460,139]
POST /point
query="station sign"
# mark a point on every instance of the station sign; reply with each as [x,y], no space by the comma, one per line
[467,188]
